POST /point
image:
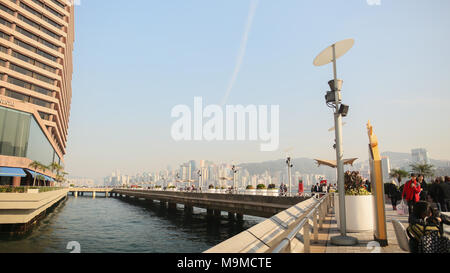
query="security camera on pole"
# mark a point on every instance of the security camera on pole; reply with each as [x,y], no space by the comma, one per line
[333,100]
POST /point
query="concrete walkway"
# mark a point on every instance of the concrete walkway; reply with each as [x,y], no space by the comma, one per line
[365,238]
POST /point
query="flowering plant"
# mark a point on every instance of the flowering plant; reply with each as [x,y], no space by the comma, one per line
[261,187]
[354,184]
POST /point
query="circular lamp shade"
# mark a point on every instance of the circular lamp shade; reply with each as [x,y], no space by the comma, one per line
[326,56]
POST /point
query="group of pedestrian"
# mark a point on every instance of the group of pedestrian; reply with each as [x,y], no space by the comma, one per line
[425,204]
[283,190]
[416,189]
[320,188]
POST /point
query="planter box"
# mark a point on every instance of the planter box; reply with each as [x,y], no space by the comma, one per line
[261,192]
[32,190]
[359,212]
[250,192]
[211,190]
[273,192]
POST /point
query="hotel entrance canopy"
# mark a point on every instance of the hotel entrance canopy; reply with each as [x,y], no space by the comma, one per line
[33,174]
[333,164]
[17,172]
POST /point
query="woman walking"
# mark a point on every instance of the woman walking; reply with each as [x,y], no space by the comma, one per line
[394,194]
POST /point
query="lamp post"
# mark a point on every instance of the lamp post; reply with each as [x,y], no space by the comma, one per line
[289,166]
[333,100]
[234,177]
[200,180]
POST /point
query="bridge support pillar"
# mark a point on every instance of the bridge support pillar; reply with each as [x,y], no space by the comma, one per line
[75,193]
[231,216]
[106,194]
[172,206]
[217,213]
[239,216]
[209,213]
[93,195]
[188,209]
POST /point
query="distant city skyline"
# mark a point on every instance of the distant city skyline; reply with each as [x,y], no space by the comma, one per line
[124,89]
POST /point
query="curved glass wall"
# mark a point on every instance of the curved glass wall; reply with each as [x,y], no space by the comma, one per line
[14,132]
[21,136]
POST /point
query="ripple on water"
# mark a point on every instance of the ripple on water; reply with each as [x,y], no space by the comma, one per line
[112,225]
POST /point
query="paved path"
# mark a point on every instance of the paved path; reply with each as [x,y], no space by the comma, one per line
[330,229]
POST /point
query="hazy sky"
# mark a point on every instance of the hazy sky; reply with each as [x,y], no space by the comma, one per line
[135,60]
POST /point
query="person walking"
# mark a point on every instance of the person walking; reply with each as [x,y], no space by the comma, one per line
[443,194]
[411,192]
[424,186]
[394,194]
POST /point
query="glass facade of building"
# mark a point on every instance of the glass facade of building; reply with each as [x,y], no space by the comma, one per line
[21,136]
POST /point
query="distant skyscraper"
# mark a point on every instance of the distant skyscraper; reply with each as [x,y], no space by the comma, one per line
[420,155]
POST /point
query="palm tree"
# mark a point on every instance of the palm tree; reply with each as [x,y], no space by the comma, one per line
[35,165]
[40,177]
[425,169]
[60,177]
[398,174]
[59,170]
[55,167]
[43,169]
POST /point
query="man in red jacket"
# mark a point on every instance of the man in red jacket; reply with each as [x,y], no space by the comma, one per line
[411,192]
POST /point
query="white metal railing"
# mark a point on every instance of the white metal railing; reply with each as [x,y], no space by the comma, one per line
[302,231]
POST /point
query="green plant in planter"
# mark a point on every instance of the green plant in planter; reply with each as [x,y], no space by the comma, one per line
[217,188]
[354,184]
[271,186]
[261,187]
[222,188]
[211,186]
[250,187]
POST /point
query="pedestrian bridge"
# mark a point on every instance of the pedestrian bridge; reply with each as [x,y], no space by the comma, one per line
[214,203]
[80,191]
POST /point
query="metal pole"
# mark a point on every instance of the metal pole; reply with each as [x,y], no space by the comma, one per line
[343,239]
[290,177]
[339,152]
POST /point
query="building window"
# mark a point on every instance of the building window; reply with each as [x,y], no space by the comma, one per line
[14,132]
[4,35]
[36,38]
[5,22]
[35,50]
[17,96]
[44,116]
[5,8]
[30,86]
[21,136]
[31,73]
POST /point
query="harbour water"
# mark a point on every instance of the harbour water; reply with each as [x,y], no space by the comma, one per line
[110,225]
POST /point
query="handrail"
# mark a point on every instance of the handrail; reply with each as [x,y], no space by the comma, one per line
[304,224]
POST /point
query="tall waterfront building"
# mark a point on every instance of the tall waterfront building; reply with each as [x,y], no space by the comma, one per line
[420,155]
[386,168]
[36,44]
